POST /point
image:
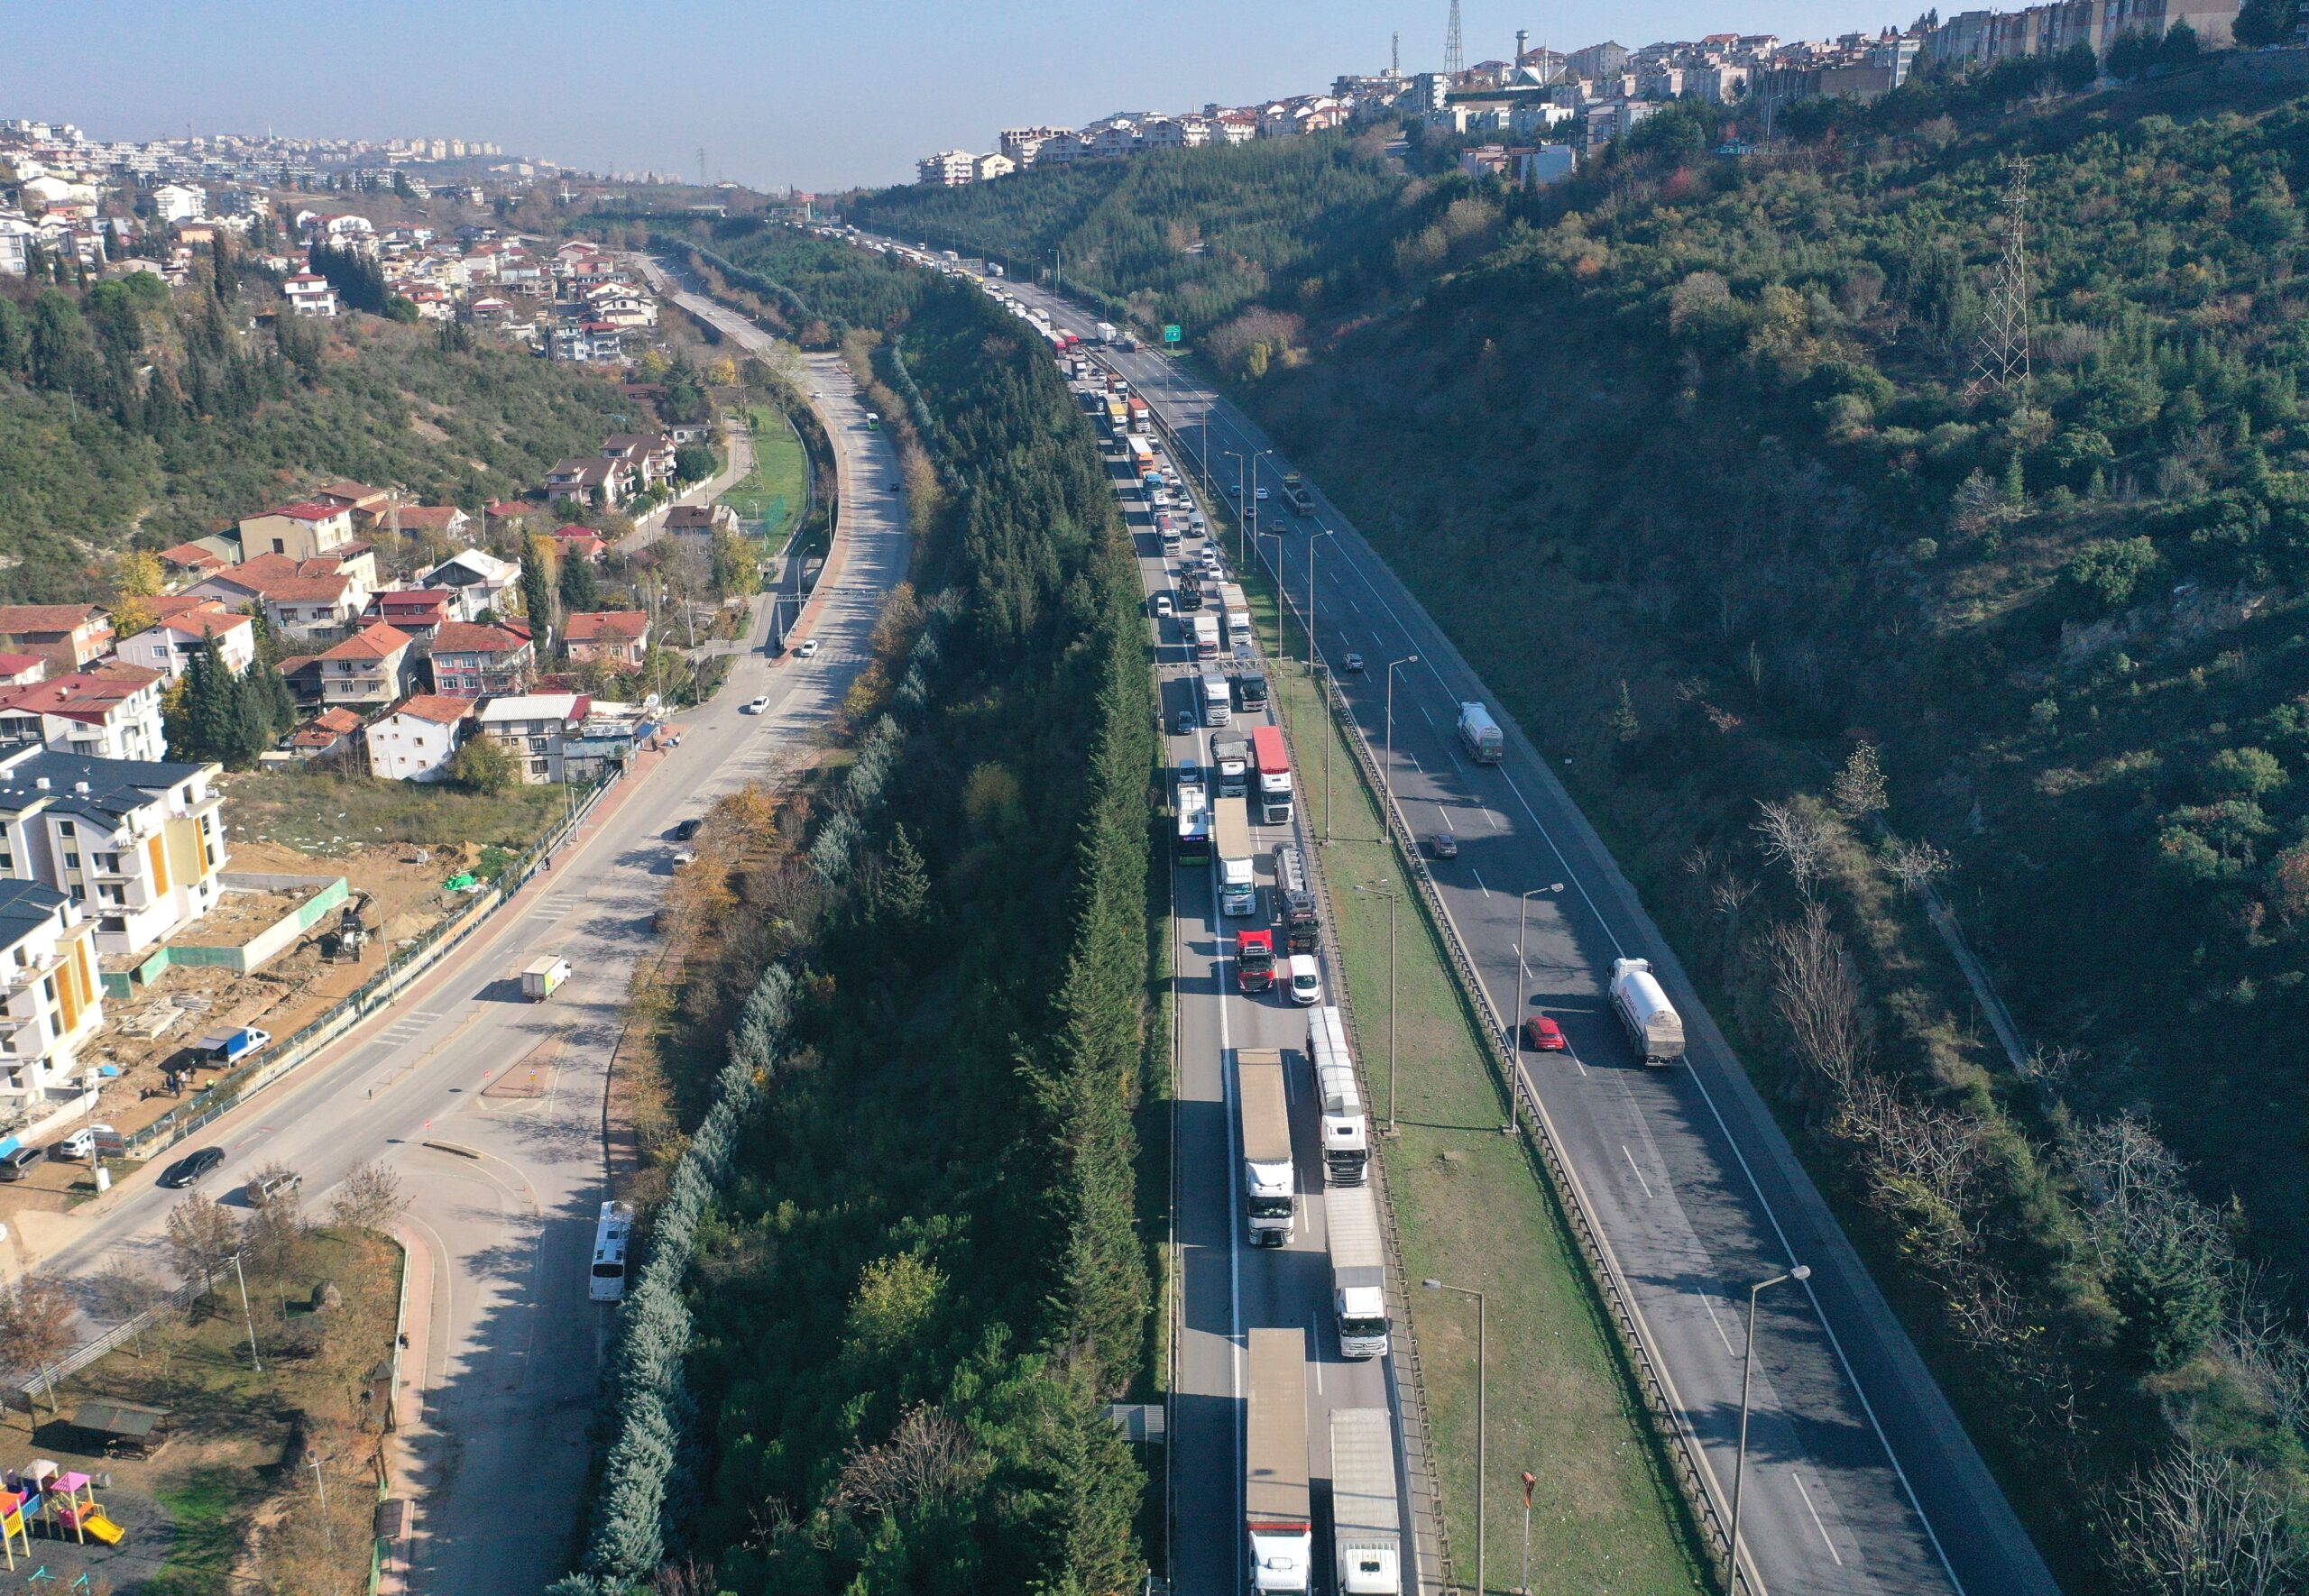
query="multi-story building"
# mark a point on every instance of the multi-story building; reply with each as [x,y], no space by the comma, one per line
[533,727]
[369,669]
[985,168]
[472,661]
[949,168]
[619,636]
[417,742]
[139,844]
[298,531]
[186,626]
[111,712]
[51,997]
[1024,144]
[67,636]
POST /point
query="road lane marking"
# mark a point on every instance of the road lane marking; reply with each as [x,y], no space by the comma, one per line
[1640,1180]
[1815,1517]
[1478,875]
[1712,1319]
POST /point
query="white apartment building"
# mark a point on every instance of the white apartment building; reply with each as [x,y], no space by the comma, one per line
[51,997]
[138,843]
[949,168]
[178,202]
[533,726]
[417,742]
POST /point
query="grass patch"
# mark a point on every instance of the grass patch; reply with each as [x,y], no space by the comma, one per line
[1473,1210]
[320,813]
[775,492]
[208,1505]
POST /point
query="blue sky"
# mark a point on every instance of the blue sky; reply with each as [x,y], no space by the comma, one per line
[818,96]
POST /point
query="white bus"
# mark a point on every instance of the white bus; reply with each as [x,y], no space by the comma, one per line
[610,1235]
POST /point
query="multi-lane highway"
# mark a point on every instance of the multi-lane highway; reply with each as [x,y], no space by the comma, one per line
[1859,1477]
[493,1109]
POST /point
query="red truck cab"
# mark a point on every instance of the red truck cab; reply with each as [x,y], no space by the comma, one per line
[1254,961]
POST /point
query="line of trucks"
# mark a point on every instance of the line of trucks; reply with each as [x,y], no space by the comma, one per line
[1278,1496]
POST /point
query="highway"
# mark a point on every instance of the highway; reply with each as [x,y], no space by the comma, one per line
[492,1110]
[1859,1477]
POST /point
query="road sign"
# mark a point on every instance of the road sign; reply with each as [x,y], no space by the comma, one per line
[1172,332]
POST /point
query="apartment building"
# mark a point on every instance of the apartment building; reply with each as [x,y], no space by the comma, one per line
[112,712]
[471,661]
[185,627]
[139,844]
[52,998]
[67,636]
[949,168]
[534,726]
[298,531]
[415,742]
[369,669]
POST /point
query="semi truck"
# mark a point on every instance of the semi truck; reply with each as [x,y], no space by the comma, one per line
[1272,759]
[1238,887]
[1270,1184]
[1295,494]
[1278,1505]
[1358,1272]
[1141,453]
[1345,1124]
[1296,899]
[1206,634]
[1142,419]
[1106,332]
[1480,733]
[1239,616]
[1218,703]
[1366,1513]
[1230,759]
[1654,1029]
[1254,961]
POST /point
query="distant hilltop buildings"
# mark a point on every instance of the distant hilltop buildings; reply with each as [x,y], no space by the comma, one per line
[1568,106]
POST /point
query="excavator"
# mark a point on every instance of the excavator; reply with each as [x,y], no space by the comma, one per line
[343,945]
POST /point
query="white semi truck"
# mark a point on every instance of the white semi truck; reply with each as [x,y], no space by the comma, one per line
[1238,886]
[1358,1272]
[1345,1124]
[1654,1029]
[1367,1516]
[1270,1182]
[1278,1502]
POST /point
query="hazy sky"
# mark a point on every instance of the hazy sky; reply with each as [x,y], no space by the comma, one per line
[821,96]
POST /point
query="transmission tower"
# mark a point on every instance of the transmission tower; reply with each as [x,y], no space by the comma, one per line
[1455,56]
[701,166]
[1394,55]
[2002,363]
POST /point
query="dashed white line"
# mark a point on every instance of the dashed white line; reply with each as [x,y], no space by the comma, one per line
[1640,1180]
[1815,1517]
[1712,1319]
[1478,875]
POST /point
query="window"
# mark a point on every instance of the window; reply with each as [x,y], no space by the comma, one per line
[71,860]
[48,989]
[67,828]
[79,892]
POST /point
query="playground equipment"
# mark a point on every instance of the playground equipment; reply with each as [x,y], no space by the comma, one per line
[12,1526]
[68,1502]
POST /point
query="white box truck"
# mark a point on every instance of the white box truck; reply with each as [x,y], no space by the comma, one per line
[1270,1182]
[1278,1502]
[1366,1514]
[1217,697]
[1654,1029]
[542,977]
[1480,733]
[1104,331]
[1346,1125]
[1358,1272]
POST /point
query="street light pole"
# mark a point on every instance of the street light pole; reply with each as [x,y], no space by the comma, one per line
[1320,533]
[1389,784]
[1483,1421]
[1330,736]
[247,1317]
[1801,1271]
[1523,1585]
[1523,969]
[1393,899]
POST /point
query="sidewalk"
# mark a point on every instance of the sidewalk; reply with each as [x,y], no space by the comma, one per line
[404,1472]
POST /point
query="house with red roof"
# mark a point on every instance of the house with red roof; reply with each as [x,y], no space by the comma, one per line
[420,611]
[184,629]
[68,636]
[189,561]
[581,542]
[475,661]
[415,741]
[18,670]
[369,669]
[112,712]
[333,734]
[619,636]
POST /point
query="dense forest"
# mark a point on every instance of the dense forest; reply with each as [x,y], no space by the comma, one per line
[133,415]
[898,1270]
[1688,452]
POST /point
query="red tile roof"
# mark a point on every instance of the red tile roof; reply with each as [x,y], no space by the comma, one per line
[307,590]
[465,637]
[310,510]
[194,557]
[380,641]
[16,619]
[434,707]
[592,625]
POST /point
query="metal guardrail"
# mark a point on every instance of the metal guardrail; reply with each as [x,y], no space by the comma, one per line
[88,1351]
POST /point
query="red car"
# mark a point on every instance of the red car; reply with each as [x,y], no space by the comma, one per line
[1543,1035]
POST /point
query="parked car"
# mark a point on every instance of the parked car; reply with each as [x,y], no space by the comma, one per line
[683,857]
[16,1165]
[84,1142]
[688,829]
[1443,845]
[267,1187]
[1543,1035]
[190,1168]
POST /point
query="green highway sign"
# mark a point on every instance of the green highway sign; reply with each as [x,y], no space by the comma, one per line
[1172,333]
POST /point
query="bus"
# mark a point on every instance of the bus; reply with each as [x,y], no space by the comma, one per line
[610,1235]
[873,422]
[1194,836]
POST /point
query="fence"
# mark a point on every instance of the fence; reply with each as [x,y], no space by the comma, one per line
[399,971]
[88,1351]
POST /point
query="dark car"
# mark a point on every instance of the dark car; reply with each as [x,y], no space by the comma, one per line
[1543,1035]
[687,829]
[16,1165]
[190,1168]
[1351,661]
[1443,845]
[1182,723]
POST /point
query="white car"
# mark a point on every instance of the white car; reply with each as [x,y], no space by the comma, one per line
[83,1142]
[759,706]
[1306,981]
[1263,496]
[1162,604]
[809,648]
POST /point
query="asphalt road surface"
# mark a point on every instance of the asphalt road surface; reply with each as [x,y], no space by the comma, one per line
[1859,1477]
[515,1346]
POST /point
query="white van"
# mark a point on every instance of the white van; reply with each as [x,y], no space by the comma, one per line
[1306,981]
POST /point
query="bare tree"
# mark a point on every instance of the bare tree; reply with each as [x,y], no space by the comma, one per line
[1817,996]
[2139,1190]
[273,1235]
[1915,864]
[2200,1523]
[125,1288]
[929,1456]
[371,1198]
[201,1236]
[1796,838]
[37,1316]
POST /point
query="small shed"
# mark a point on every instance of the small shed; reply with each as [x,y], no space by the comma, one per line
[122,1430]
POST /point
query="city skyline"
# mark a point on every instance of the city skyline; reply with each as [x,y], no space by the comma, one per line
[367,72]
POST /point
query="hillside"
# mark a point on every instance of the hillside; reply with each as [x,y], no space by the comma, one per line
[136,416]
[1685,453]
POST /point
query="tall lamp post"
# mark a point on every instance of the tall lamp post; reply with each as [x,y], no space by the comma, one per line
[1392,666]
[1312,543]
[1242,502]
[1483,1416]
[1801,1271]
[1393,897]
[1523,969]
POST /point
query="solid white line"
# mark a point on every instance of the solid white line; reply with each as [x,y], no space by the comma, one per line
[1640,1180]
[1478,875]
[1315,1349]
[1712,1319]
[1815,1517]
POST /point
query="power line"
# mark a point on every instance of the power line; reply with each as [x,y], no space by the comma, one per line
[2002,363]
[1455,57]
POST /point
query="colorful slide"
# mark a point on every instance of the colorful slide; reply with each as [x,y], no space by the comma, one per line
[103,1528]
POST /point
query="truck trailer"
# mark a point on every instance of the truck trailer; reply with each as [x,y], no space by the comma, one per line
[1480,733]
[1366,1513]
[1346,1122]
[1278,1504]
[1272,759]
[1238,609]
[1231,763]
[1206,635]
[1238,886]
[1358,1272]
[1106,332]
[1654,1029]
[1270,1183]
[1294,899]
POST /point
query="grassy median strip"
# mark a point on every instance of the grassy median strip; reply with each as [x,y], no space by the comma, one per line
[774,492]
[1472,1210]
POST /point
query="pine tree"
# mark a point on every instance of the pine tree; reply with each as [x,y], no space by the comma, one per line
[536,588]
